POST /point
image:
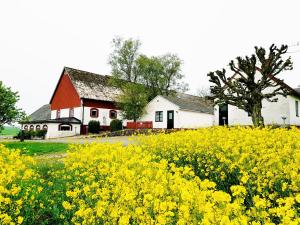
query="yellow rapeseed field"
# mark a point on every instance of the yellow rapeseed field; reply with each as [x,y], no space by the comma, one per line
[215,175]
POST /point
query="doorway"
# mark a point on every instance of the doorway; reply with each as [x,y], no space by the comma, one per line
[170,119]
[223,114]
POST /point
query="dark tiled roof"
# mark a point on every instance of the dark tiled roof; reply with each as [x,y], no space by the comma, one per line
[297,89]
[71,120]
[43,113]
[191,103]
[292,91]
[92,86]
[65,120]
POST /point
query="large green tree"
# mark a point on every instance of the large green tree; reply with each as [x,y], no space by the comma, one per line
[123,60]
[161,75]
[9,112]
[132,101]
[140,77]
[252,80]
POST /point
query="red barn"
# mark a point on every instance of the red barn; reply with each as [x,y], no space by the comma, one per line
[78,98]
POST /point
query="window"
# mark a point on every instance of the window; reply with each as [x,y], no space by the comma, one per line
[113,114]
[158,116]
[31,127]
[71,112]
[249,114]
[38,127]
[58,114]
[45,127]
[65,127]
[26,127]
[297,108]
[94,113]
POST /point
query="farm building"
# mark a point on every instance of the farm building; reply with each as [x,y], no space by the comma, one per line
[179,111]
[78,98]
[283,112]
[81,96]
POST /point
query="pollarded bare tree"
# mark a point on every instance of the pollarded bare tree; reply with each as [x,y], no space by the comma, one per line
[252,80]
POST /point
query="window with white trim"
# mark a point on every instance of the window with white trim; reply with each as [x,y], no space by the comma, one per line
[65,127]
[113,114]
[94,113]
[159,116]
[71,112]
[58,114]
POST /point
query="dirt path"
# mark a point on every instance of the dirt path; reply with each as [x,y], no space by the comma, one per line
[56,155]
[125,140]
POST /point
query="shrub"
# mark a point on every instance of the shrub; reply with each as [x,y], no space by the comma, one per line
[116,125]
[28,135]
[40,133]
[94,127]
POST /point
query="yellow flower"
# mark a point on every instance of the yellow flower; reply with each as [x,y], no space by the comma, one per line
[217,175]
[20,219]
[66,205]
[40,189]
[297,198]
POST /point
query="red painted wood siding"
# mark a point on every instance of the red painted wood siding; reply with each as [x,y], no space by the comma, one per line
[65,95]
[140,125]
[99,104]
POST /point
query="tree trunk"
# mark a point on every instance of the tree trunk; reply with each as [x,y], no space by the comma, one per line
[257,119]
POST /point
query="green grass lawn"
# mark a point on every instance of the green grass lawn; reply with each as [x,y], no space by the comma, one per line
[9,131]
[37,148]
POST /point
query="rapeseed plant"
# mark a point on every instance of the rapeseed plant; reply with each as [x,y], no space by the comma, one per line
[214,175]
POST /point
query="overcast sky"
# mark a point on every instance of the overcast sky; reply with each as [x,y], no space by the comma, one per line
[38,37]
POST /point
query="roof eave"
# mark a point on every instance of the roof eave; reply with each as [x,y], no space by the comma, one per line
[51,121]
[197,111]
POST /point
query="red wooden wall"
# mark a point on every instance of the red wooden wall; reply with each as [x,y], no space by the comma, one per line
[65,95]
[140,125]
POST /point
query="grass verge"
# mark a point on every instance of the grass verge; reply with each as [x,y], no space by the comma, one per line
[37,148]
[9,131]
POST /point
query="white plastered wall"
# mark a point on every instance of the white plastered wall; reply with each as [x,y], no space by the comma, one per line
[271,111]
[103,116]
[160,104]
[66,113]
[294,120]
[182,118]
[53,131]
[189,119]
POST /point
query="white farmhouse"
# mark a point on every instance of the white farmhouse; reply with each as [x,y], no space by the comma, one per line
[283,112]
[179,111]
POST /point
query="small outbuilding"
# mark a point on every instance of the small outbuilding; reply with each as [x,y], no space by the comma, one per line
[58,127]
[179,111]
